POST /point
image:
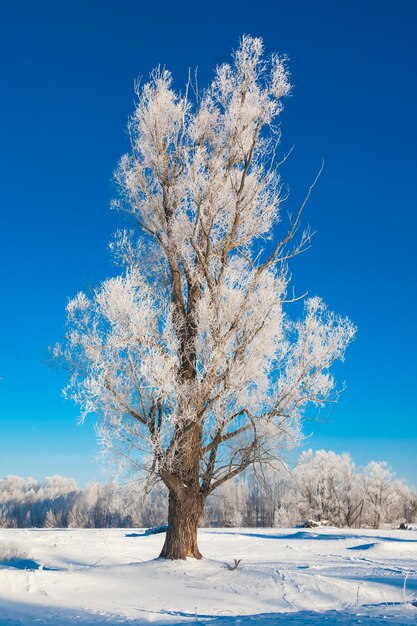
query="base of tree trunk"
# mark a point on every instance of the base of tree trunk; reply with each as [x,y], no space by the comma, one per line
[181,537]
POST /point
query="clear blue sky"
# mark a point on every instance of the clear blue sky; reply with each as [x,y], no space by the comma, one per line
[66,92]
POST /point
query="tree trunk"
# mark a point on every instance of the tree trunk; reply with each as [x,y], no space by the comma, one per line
[184,512]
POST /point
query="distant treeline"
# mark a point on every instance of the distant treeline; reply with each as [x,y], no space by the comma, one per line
[323,486]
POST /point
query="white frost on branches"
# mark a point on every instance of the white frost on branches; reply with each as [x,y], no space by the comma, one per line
[194,332]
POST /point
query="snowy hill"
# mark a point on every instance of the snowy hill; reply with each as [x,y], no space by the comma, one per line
[62,577]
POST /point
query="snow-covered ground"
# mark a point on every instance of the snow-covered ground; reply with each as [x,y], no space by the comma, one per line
[289,577]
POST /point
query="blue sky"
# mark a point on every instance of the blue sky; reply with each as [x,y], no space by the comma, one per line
[66,92]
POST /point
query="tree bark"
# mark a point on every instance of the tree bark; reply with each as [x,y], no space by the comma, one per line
[184,512]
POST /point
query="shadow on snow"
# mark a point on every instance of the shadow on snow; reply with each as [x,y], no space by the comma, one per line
[14,614]
[311,535]
[28,564]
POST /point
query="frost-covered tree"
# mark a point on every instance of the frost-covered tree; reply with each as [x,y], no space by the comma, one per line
[27,502]
[189,356]
[50,520]
[226,507]
[401,507]
[328,488]
[386,499]
[267,487]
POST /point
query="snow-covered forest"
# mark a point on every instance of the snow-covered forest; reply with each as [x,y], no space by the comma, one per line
[323,486]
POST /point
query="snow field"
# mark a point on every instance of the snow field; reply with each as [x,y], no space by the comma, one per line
[287,576]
